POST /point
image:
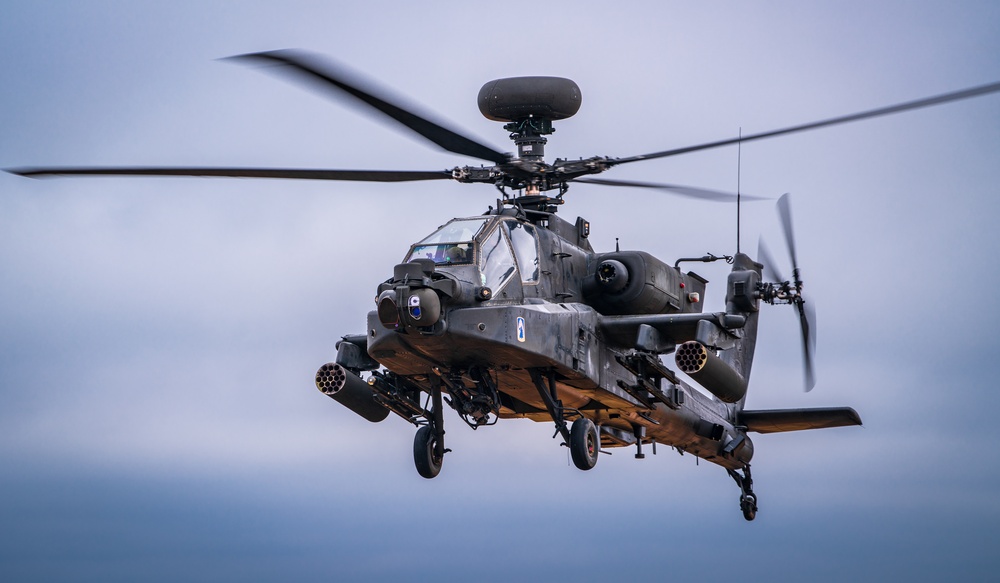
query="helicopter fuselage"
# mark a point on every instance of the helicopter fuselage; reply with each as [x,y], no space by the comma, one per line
[539,331]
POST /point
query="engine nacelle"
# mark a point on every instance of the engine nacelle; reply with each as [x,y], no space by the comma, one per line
[349,390]
[710,371]
[635,282]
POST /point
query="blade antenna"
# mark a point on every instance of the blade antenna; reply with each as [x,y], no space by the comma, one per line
[739,160]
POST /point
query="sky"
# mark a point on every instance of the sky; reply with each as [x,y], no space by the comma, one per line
[158,336]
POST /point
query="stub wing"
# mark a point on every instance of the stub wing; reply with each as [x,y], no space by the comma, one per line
[660,332]
[777,420]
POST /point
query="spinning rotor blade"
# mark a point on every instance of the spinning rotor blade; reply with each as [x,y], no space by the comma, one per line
[907,106]
[805,309]
[689,191]
[807,319]
[303,174]
[785,211]
[331,79]
[770,266]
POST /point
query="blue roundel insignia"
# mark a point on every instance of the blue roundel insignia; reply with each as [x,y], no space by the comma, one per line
[520,329]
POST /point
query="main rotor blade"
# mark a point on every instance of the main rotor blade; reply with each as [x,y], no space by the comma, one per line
[689,191]
[302,174]
[325,76]
[907,106]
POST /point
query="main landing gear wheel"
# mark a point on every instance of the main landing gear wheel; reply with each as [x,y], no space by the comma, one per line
[584,443]
[424,443]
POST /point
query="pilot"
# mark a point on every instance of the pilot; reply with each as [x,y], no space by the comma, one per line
[456,255]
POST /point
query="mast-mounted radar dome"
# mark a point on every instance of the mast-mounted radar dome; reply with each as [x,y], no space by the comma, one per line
[529,105]
[518,98]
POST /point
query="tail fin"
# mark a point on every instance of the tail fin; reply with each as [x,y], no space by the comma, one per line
[741,299]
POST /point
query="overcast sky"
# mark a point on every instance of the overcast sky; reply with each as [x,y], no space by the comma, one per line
[158,337]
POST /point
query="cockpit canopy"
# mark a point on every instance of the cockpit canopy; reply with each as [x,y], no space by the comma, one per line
[498,247]
[451,244]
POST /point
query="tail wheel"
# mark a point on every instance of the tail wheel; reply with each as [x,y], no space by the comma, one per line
[424,443]
[584,443]
[748,504]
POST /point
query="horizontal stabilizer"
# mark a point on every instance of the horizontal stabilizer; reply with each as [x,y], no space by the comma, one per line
[776,420]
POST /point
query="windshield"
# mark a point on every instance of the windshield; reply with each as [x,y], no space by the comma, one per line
[456,231]
[522,238]
[451,244]
[447,253]
[496,264]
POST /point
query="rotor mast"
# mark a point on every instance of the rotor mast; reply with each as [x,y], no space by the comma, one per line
[528,134]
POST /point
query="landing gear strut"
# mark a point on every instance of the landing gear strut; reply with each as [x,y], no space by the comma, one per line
[583,440]
[748,500]
[428,443]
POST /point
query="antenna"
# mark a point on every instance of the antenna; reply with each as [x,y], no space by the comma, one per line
[739,159]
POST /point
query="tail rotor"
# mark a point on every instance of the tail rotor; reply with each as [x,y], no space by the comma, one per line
[783,291]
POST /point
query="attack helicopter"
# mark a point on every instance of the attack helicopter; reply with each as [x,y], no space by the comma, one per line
[513,314]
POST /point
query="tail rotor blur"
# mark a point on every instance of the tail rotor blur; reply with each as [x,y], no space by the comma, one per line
[783,291]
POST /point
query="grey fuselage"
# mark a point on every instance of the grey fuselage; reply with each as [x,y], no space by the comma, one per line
[594,323]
